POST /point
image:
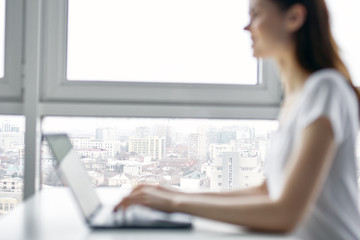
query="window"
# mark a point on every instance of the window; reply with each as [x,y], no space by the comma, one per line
[11,159]
[108,150]
[2,37]
[197,41]
[157,92]
[10,49]
[123,74]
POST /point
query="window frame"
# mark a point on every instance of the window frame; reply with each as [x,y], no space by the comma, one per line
[58,92]
[45,37]
[11,83]
[42,47]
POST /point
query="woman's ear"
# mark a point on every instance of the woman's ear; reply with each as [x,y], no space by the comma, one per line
[295,17]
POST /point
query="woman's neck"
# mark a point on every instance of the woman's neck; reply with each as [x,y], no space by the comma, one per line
[293,76]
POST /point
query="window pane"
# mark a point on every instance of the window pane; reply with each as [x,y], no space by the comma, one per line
[189,154]
[344,15]
[358,158]
[2,37]
[188,41]
[11,162]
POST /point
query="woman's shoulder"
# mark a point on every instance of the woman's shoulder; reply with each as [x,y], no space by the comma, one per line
[330,80]
[327,76]
[328,93]
[329,72]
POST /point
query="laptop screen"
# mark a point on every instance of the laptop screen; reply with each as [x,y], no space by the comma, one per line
[59,145]
[74,173]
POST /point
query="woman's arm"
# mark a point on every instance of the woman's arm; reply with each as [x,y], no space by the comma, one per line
[251,191]
[308,167]
[305,174]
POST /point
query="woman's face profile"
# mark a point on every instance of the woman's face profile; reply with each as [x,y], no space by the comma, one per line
[267,28]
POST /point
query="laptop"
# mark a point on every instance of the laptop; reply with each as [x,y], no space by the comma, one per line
[96,214]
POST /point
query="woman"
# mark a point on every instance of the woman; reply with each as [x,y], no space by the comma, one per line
[311,185]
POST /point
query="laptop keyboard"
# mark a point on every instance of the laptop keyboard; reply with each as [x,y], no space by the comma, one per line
[138,213]
[135,215]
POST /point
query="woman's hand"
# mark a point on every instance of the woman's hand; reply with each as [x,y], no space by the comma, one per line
[156,197]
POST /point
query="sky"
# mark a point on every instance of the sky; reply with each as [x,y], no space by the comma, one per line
[188,41]
[176,41]
[185,126]
[199,41]
[181,125]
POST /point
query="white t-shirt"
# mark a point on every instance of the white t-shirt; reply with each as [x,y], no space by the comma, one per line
[335,214]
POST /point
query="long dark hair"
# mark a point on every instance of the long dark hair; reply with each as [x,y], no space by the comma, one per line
[315,45]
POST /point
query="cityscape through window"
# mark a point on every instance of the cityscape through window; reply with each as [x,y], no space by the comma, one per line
[189,154]
[11,162]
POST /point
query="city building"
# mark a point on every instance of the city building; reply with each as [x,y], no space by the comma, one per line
[216,150]
[96,178]
[213,171]
[11,185]
[113,147]
[106,134]
[197,147]
[8,201]
[240,172]
[118,180]
[96,153]
[12,140]
[150,146]
[194,180]
[133,169]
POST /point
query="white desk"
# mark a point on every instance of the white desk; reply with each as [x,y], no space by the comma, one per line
[52,214]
